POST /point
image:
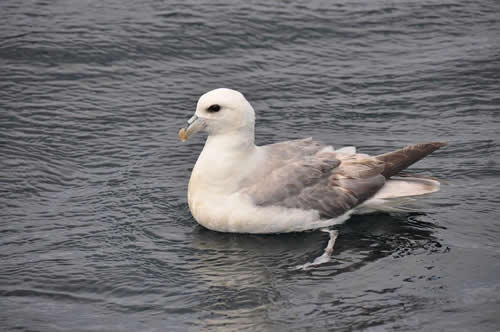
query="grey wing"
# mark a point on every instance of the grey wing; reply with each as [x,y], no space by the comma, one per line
[328,182]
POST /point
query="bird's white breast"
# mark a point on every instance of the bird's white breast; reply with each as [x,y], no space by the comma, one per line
[216,201]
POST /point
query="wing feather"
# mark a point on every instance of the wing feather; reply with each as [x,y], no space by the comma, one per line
[314,178]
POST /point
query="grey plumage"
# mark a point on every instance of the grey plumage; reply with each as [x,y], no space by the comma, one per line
[306,174]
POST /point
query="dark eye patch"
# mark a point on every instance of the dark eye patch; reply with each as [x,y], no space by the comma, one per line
[214,108]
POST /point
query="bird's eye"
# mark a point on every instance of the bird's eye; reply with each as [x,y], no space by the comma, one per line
[214,108]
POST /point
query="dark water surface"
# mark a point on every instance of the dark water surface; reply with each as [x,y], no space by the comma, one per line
[95,230]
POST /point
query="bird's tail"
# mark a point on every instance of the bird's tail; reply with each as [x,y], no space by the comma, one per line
[397,195]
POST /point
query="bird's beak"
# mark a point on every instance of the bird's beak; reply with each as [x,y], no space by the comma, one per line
[195,124]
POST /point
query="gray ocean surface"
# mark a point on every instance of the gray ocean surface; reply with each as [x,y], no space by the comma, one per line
[95,230]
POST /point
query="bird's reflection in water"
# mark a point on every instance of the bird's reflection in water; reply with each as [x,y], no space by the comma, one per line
[243,273]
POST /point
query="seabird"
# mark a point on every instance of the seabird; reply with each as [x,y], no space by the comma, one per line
[297,185]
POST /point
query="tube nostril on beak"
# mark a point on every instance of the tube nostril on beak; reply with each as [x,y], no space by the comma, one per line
[195,124]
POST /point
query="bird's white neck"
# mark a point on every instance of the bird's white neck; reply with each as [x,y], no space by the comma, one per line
[235,141]
[224,161]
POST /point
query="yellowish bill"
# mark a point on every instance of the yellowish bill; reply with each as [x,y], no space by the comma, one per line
[182,134]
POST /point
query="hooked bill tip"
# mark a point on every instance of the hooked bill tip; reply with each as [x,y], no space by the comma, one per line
[182,134]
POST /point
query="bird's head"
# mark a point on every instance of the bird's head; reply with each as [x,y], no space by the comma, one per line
[220,112]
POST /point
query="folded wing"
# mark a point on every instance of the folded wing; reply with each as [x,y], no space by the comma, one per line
[314,177]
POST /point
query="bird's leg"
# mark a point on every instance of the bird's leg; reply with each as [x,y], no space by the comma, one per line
[327,254]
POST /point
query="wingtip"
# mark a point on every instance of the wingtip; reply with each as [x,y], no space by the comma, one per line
[399,160]
[441,144]
[437,145]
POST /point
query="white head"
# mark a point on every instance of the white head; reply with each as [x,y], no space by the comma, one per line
[221,112]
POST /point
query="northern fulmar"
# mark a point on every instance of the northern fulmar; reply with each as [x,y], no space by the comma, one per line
[289,186]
